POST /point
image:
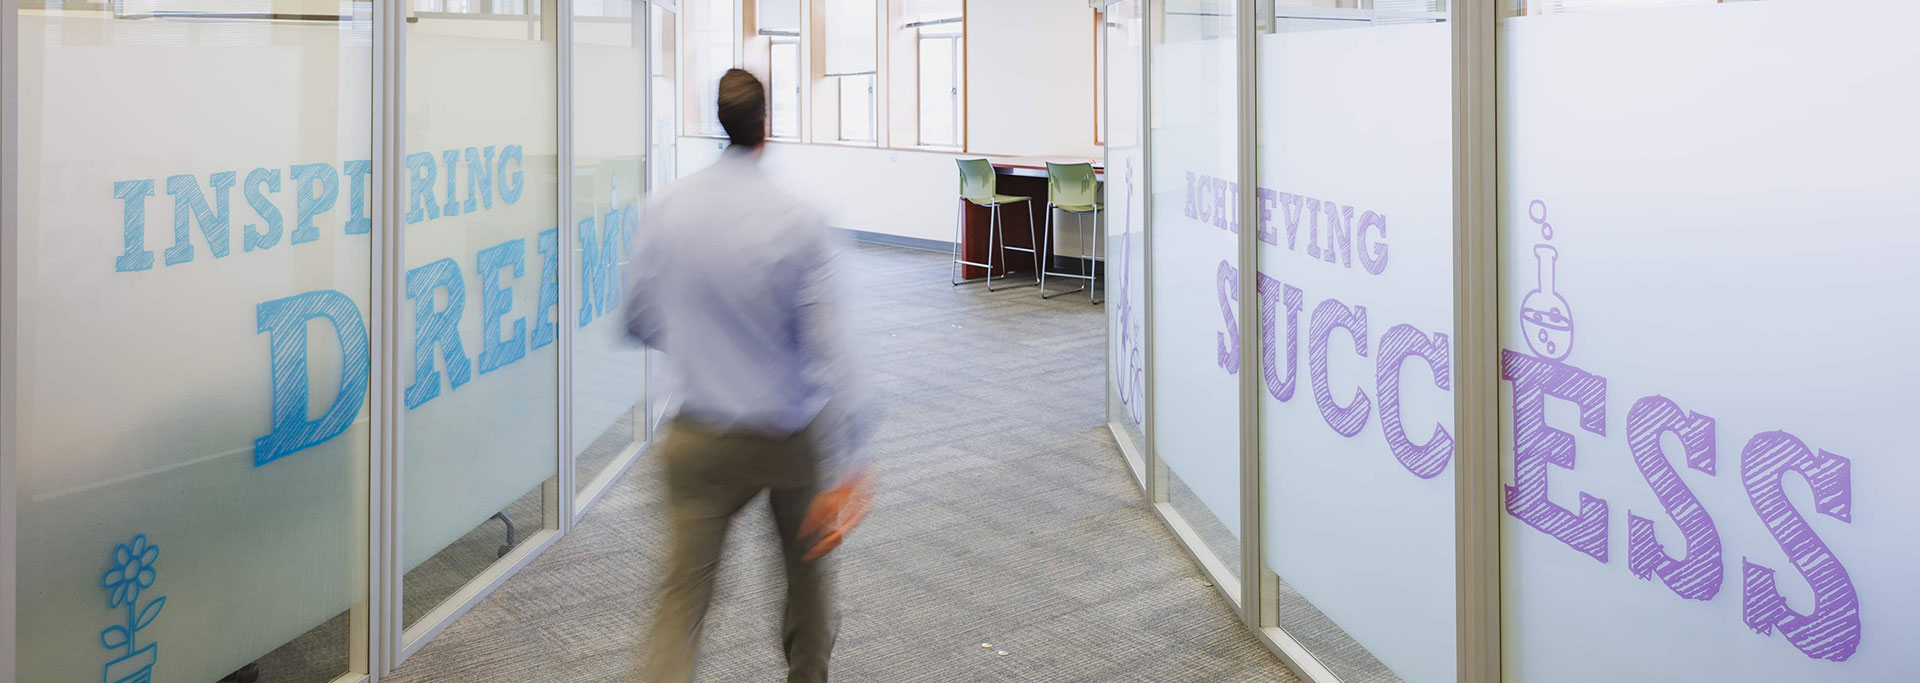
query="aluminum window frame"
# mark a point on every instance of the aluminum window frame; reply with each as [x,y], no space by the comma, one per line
[9,319]
[958,73]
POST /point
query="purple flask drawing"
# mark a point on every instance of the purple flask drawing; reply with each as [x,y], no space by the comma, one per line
[1545,317]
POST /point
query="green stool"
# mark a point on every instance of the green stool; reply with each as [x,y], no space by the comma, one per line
[977,184]
[1075,189]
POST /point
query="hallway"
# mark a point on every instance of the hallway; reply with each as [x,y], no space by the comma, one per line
[1007,515]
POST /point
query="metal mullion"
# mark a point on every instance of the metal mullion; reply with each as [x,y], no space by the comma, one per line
[560,510]
[1476,350]
[1156,468]
[1106,235]
[1251,567]
[386,409]
[647,189]
[9,325]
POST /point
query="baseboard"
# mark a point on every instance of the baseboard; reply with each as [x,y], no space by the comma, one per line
[941,246]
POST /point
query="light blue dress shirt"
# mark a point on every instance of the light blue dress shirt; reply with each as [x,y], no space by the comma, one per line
[733,279]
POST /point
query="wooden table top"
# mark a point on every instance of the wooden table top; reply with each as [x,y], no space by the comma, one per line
[1036,166]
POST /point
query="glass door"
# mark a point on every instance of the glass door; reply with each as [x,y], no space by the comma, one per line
[1195,151]
[664,136]
[1355,302]
[482,287]
[609,94]
[1123,32]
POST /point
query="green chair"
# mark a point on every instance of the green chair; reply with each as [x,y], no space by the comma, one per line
[977,185]
[1075,189]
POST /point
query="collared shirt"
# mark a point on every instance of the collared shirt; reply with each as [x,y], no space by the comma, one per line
[733,279]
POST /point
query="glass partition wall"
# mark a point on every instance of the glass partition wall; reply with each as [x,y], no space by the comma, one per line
[1706,459]
[477,464]
[1194,152]
[1354,213]
[610,82]
[305,353]
[1123,34]
[1374,392]
[188,368]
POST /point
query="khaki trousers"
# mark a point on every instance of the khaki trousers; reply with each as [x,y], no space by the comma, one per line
[710,476]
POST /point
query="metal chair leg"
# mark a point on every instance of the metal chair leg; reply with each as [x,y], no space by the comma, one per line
[1035,241]
[1093,256]
[993,229]
[959,220]
[1042,265]
[1083,270]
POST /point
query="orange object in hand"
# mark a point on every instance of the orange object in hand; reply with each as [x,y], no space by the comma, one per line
[835,512]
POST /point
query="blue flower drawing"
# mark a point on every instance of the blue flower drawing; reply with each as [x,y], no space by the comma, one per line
[132,573]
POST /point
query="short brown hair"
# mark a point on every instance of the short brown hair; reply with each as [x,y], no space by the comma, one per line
[743,108]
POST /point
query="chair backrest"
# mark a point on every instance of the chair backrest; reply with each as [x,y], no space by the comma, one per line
[977,183]
[1072,185]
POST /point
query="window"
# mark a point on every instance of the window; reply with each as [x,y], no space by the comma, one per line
[940,85]
[1293,16]
[1566,6]
[477,7]
[852,64]
[776,48]
[937,29]
[711,36]
[783,84]
[857,107]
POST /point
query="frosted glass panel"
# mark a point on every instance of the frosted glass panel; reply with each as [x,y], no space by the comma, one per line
[609,160]
[1196,338]
[194,294]
[1126,252]
[1356,310]
[482,298]
[1707,284]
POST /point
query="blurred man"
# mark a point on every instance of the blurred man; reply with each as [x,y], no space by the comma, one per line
[733,280]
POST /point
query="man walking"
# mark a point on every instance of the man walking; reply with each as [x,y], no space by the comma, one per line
[733,280]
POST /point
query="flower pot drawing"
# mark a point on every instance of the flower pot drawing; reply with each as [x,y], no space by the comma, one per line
[135,667]
[1545,317]
[132,573]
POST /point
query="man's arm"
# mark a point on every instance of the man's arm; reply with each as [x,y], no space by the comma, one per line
[846,419]
[640,309]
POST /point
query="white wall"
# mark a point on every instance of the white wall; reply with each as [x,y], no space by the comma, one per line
[1030,71]
[1030,77]
[893,192]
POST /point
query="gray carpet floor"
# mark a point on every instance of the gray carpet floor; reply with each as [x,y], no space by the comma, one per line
[1007,516]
